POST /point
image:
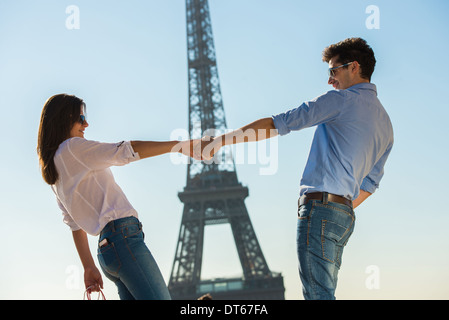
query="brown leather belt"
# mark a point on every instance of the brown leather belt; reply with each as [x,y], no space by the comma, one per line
[325,197]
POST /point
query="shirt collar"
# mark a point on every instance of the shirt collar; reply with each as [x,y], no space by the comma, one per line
[365,85]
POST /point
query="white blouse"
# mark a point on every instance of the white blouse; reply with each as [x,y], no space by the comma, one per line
[86,190]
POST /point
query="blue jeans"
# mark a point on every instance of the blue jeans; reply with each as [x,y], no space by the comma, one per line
[127,261]
[323,231]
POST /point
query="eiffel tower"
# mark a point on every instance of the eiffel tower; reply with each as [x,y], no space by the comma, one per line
[213,194]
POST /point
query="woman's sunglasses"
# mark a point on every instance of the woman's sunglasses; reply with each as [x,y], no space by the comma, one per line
[82,119]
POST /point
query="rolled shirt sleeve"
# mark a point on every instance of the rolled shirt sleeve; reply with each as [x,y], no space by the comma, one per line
[97,155]
[66,218]
[324,108]
[372,181]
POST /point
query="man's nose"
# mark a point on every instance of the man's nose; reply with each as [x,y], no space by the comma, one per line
[331,80]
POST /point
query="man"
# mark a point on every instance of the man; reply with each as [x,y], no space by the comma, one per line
[352,141]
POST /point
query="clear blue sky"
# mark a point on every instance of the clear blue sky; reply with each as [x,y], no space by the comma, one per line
[128,62]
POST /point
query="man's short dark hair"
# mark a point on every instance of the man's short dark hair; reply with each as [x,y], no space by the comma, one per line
[353,49]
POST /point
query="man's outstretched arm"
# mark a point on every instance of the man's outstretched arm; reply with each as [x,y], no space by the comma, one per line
[258,130]
[255,131]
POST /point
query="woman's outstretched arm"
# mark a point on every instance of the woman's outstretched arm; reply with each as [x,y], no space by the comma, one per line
[147,149]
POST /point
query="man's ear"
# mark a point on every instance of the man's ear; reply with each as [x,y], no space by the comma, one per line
[355,68]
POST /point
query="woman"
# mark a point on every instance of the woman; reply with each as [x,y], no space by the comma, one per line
[92,203]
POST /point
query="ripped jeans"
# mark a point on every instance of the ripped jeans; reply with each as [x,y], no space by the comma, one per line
[127,261]
[323,231]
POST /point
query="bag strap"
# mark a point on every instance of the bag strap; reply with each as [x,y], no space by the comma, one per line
[87,294]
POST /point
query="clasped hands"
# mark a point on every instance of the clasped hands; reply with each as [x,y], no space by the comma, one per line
[201,149]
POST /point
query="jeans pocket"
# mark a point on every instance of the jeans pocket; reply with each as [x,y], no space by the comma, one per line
[333,239]
[109,259]
[303,227]
[132,230]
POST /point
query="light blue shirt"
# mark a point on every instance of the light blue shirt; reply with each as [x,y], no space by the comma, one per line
[352,141]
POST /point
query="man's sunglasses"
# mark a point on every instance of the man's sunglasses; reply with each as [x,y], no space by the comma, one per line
[331,71]
[82,119]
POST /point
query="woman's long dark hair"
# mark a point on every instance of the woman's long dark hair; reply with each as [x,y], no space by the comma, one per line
[59,114]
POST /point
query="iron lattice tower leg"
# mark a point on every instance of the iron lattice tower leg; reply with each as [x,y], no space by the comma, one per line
[213,194]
